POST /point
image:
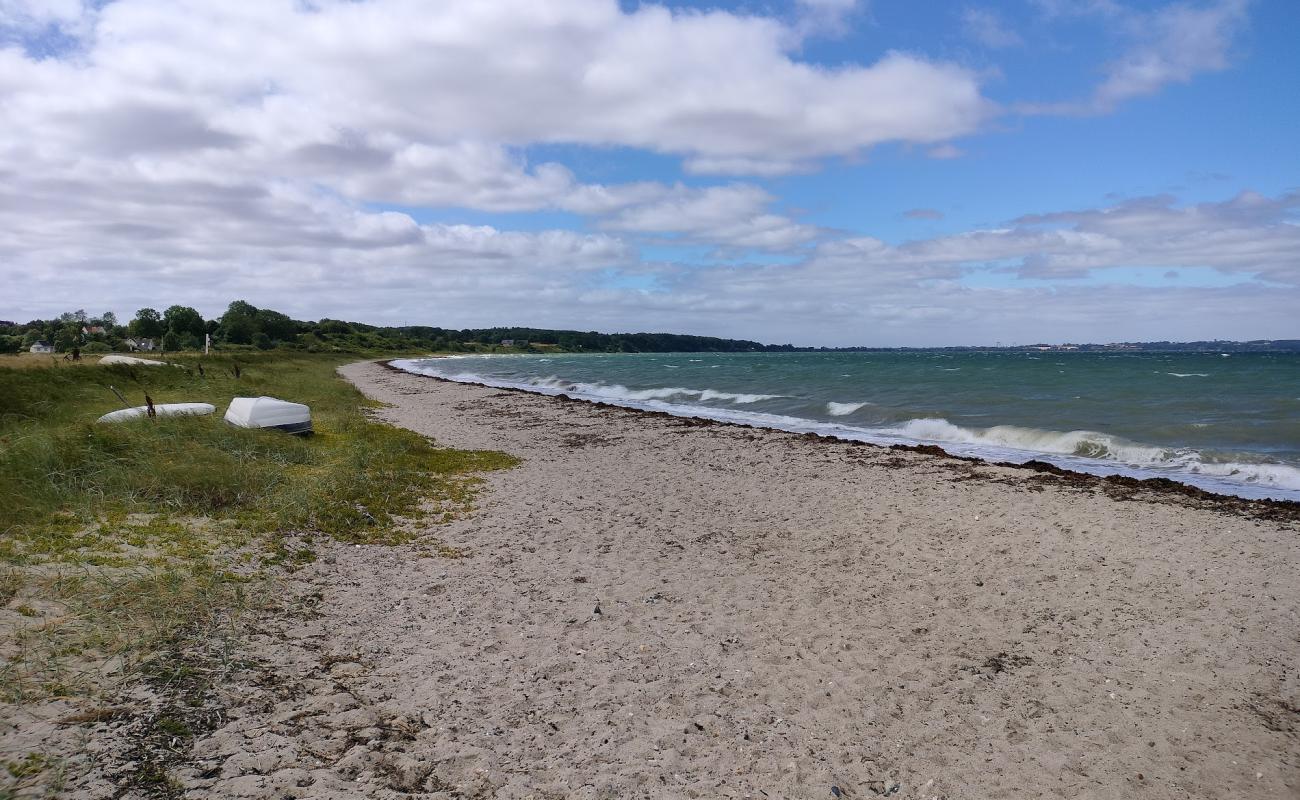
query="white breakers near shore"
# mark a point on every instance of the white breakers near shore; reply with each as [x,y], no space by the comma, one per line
[269,412]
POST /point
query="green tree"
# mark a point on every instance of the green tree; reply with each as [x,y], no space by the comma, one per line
[147,323]
[68,337]
[333,326]
[237,328]
[239,323]
[241,307]
[171,341]
[276,325]
[183,320]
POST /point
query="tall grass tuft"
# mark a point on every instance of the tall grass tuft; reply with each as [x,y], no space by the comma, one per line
[354,474]
[119,538]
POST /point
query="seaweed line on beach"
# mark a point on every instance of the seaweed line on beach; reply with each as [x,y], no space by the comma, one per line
[1118,487]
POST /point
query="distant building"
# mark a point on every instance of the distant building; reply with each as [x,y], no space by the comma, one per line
[140,344]
[514,342]
[92,330]
[41,347]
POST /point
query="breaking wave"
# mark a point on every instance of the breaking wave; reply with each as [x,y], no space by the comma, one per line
[613,392]
[1082,450]
[1085,444]
[843,409]
[1105,448]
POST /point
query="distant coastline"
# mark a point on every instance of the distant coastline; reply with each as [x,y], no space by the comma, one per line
[244,327]
[1210,346]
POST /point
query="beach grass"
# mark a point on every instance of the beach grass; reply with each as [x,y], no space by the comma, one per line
[122,545]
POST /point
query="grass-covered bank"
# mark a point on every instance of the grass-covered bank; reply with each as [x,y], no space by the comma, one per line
[124,546]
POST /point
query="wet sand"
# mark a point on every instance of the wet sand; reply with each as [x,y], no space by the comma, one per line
[650,607]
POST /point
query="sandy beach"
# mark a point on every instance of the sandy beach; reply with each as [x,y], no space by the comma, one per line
[652,607]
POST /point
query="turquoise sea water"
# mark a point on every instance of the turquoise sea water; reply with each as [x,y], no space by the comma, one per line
[1227,423]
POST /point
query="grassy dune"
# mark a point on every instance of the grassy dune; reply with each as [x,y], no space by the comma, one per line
[127,546]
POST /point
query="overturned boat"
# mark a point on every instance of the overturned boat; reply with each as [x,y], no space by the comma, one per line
[161,410]
[269,412]
[109,360]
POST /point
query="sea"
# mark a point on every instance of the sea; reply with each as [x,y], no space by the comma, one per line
[1225,422]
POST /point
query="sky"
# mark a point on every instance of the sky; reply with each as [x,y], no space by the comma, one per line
[818,172]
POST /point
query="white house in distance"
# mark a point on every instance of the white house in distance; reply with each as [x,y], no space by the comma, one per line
[41,347]
[140,344]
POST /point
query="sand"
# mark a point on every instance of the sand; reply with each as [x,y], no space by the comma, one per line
[648,607]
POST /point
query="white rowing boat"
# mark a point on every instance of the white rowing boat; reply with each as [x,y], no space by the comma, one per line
[269,412]
[131,361]
[162,410]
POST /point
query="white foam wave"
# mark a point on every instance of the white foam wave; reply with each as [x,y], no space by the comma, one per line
[843,409]
[613,392]
[1103,447]
[1189,374]
[1085,451]
[1279,475]
[1087,444]
[710,394]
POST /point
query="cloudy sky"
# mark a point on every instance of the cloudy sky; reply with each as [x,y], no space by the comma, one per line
[879,172]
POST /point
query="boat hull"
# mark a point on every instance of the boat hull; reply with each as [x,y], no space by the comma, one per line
[160,409]
[269,413]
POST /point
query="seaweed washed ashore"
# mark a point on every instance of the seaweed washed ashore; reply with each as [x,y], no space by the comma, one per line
[1117,486]
[651,606]
[1228,424]
[654,606]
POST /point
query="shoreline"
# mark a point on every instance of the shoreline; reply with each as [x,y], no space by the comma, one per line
[651,606]
[1156,489]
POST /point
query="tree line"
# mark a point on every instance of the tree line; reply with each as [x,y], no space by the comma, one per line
[244,326]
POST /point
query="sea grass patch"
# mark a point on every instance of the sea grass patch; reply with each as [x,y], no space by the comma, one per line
[135,544]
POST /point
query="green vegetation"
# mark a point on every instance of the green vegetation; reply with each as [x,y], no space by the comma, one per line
[70,483]
[27,772]
[125,547]
[246,327]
